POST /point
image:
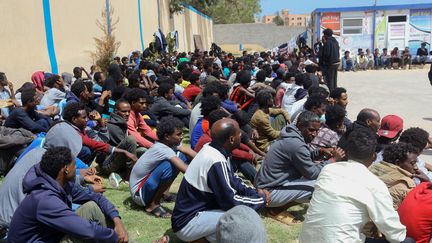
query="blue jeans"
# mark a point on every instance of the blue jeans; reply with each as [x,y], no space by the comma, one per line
[347,65]
[86,155]
[386,63]
[421,59]
[377,62]
[163,173]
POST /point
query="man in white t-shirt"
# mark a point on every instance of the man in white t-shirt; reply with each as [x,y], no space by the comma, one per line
[347,195]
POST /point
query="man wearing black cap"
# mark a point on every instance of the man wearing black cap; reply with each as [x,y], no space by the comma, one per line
[329,59]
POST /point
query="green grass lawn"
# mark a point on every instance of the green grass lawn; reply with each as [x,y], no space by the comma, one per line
[145,228]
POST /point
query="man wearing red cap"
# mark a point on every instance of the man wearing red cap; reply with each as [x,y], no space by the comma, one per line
[390,130]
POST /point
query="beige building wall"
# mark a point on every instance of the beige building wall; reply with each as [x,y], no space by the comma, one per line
[24,45]
[22,40]
[296,19]
[73,33]
[267,19]
[290,19]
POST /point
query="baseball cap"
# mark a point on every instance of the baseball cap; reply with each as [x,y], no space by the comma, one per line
[240,224]
[391,125]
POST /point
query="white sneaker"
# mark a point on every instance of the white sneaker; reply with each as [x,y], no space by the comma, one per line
[114,180]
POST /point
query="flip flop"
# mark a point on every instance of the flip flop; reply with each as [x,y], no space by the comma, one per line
[159,212]
[285,218]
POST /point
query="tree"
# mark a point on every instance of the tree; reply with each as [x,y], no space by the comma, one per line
[223,11]
[278,20]
[234,11]
[106,46]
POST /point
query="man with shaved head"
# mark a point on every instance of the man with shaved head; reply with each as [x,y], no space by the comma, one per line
[210,188]
[367,119]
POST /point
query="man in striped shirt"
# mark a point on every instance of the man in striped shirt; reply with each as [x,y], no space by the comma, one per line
[210,188]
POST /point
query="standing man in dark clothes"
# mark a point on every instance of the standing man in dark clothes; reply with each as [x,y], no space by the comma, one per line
[329,59]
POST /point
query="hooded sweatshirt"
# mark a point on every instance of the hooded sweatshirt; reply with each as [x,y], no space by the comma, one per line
[45,215]
[114,75]
[288,159]
[117,129]
[67,78]
[38,80]
[11,192]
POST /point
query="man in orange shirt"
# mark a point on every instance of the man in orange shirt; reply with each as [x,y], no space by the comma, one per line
[137,127]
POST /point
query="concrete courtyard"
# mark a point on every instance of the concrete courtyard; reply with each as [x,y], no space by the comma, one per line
[406,93]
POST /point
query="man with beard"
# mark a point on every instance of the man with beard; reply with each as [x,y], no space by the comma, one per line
[289,171]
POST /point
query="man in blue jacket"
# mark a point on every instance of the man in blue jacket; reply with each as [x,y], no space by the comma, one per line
[45,215]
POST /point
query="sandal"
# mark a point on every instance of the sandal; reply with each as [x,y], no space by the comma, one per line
[164,239]
[285,218]
[159,212]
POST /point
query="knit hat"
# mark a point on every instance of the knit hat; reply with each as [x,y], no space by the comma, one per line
[240,224]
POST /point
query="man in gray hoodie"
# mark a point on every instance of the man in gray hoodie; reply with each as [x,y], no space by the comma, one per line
[11,191]
[289,171]
[119,137]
